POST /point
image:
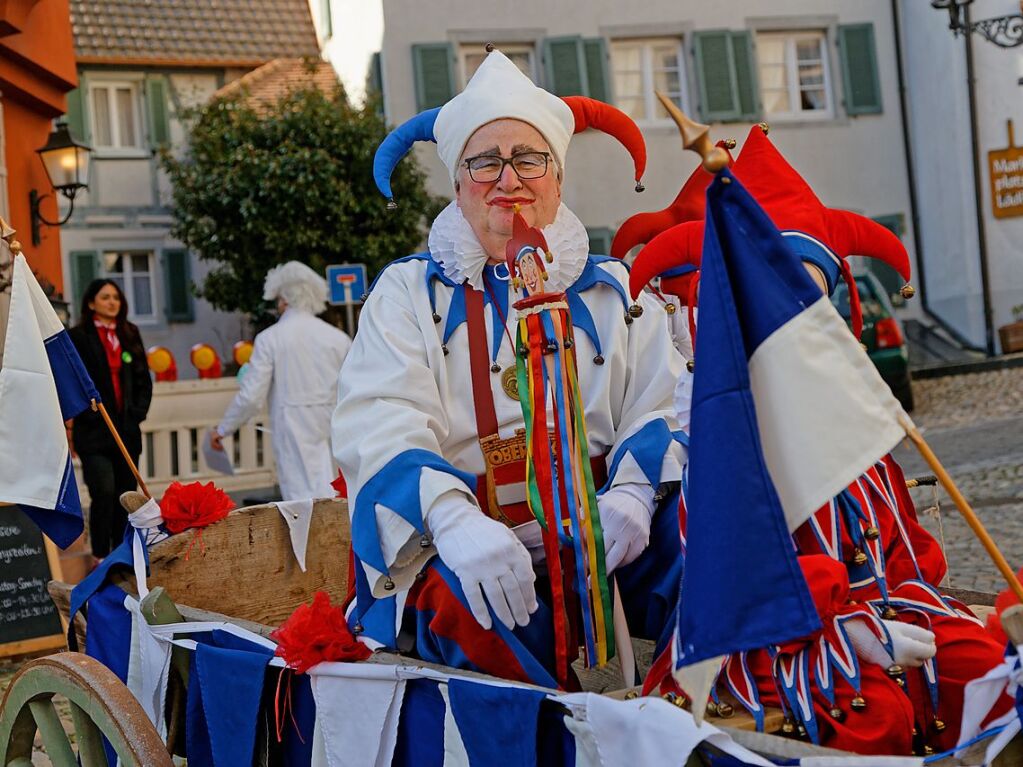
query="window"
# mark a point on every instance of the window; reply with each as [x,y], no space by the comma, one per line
[133,272]
[472,55]
[639,68]
[115,108]
[794,77]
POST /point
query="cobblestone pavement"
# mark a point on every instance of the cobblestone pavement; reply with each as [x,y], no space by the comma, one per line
[974,423]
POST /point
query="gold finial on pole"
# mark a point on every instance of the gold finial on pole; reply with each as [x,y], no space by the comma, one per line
[696,137]
[7,233]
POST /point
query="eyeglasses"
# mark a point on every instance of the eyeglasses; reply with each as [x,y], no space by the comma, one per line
[487,168]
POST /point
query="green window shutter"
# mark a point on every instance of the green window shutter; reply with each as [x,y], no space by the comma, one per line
[600,240]
[375,83]
[859,69]
[716,73]
[565,66]
[598,79]
[177,286]
[434,68]
[76,116]
[156,101]
[746,76]
[84,269]
[375,78]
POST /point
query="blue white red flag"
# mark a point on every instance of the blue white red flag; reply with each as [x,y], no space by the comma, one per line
[787,410]
[42,383]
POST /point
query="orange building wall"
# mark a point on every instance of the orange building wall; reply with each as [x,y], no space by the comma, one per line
[24,132]
[37,69]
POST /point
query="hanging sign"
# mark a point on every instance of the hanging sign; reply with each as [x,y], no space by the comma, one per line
[1006,173]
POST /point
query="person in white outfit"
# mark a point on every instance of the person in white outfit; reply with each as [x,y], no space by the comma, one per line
[296,362]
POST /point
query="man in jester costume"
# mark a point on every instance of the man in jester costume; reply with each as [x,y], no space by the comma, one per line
[886,673]
[505,459]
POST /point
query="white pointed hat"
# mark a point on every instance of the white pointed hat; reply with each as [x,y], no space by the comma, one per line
[498,91]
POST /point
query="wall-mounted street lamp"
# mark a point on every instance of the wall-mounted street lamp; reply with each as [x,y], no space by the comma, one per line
[1003,31]
[67,167]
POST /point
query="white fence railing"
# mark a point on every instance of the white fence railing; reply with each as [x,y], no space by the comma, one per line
[179,418]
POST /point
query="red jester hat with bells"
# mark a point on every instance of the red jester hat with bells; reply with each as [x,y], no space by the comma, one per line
[822,236]
[641,228]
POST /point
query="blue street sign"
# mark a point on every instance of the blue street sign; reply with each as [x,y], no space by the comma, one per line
[347,283]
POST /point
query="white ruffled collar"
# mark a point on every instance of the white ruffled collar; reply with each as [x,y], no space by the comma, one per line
[454,246]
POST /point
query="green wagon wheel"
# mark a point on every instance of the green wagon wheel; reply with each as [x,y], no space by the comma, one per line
[101,706]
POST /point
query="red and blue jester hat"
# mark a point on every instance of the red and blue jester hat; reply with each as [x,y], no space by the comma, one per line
[557,119]
[821,236]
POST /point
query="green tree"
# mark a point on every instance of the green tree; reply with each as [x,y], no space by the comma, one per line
[260,186]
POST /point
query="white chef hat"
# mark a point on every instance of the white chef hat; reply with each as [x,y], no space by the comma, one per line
[297,284]
[498,91]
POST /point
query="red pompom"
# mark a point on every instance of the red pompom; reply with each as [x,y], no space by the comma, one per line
[193,505]
[317,632]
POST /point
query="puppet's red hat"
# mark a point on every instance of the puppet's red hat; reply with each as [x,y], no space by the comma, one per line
[524,237]
[590,113]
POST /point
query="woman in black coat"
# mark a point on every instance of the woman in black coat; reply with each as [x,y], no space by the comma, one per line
[112,350]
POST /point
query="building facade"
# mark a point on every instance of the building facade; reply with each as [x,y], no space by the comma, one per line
[822,73]
[140,67]
[37,70]
[967,185]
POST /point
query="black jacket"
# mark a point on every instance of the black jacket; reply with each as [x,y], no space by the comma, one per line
[90,433]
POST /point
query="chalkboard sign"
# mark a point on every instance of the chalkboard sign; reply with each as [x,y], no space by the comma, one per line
[28,618]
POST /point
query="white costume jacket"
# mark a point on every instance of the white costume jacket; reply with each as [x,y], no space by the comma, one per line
[296,361]
[405,425]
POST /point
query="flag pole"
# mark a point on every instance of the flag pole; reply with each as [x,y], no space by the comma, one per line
[124,451]
[964,508]
[7,233]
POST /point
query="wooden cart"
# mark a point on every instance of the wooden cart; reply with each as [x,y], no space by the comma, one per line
[244,572]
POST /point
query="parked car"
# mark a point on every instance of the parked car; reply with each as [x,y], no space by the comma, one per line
[882,335]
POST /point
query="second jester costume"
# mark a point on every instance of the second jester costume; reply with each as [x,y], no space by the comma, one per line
[886,673]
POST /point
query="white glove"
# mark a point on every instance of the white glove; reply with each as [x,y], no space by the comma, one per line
[912,645]
[625,515]
[488,559]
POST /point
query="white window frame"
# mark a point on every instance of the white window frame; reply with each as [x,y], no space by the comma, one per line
[465,49]
[792,75]
[134,84]
[128,286]
[650,101]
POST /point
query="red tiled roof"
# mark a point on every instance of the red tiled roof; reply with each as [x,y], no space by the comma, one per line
[191,32]
[265,86]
